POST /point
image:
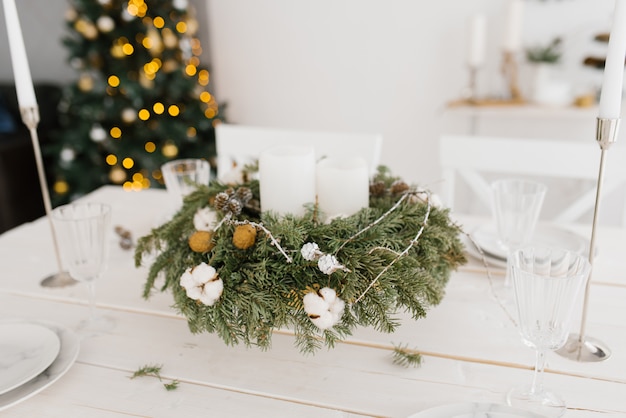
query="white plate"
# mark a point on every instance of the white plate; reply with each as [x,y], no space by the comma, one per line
[25,351]
[471,249]
[474,410]
[547,235]
[69,347]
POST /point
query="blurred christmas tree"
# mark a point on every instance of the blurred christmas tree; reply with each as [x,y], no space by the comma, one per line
[140,99]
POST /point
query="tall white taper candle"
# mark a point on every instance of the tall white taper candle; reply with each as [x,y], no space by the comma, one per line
[611,95]
[513,28]
[477,40]
[21,70]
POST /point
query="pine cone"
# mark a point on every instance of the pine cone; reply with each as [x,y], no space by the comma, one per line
[234,206]
[244,194]
[399,187]
[221,201]
[377,189]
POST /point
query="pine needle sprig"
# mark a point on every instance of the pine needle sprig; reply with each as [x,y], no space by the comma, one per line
[402,356]
[154,370]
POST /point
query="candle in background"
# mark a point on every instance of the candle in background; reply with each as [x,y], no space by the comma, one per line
[21,70]
[342,186]
[287,179]
[513,28]
[477,40]
[611,95]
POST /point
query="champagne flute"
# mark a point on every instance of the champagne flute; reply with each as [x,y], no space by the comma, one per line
[83,231]
[546,282]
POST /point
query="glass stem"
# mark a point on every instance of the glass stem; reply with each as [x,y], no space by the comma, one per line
[540,363]
[508,282]
[92,299]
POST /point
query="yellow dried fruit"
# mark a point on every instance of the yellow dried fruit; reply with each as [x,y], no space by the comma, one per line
[201,241]
[244,236]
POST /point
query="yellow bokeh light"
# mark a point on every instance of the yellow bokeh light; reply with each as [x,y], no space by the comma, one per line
[203,75]
[145,183]
[137,177]
[170,150]
[144,114]
[181,27]
[61,187]
[205,96]
[150,147]
[158,22]
[157,175]
[128,163]
[132,9]
[190,70]
[113,81]
[194,61]
[158,108]
[128,49]
[191,132]
[210,113]
[173,110]
[115,132]
[111,159]
[150,68]
[127,186]
[146,42]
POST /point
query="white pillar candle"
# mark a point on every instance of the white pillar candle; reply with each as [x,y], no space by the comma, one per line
[21,70]
[287,177]
[477,40]
[611,95]
[513,28]
[342,186]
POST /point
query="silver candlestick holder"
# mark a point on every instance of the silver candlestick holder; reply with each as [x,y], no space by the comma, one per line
[30,117]
[580,347]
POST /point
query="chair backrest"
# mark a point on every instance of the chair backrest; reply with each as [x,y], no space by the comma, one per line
[239,144]
[570,168]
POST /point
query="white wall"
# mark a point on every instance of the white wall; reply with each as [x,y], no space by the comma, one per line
[376,66]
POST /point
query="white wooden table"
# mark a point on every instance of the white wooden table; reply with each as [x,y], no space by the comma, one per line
[471,350]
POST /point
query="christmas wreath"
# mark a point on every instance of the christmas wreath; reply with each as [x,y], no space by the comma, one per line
[242,273]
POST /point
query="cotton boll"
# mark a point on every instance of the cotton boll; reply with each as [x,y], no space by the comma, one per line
[336,310]
[313,304]
[324,321]
[212,292]
[329,295]
[186,280]
[202,283]
[204,219]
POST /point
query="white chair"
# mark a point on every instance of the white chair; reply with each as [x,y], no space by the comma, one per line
[237,145]
[570,168]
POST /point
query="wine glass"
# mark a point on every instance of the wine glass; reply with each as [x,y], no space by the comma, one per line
[182,176]
[546,282]
[83,231]
[516,207]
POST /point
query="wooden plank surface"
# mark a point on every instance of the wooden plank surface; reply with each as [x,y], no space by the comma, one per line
[470,344]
